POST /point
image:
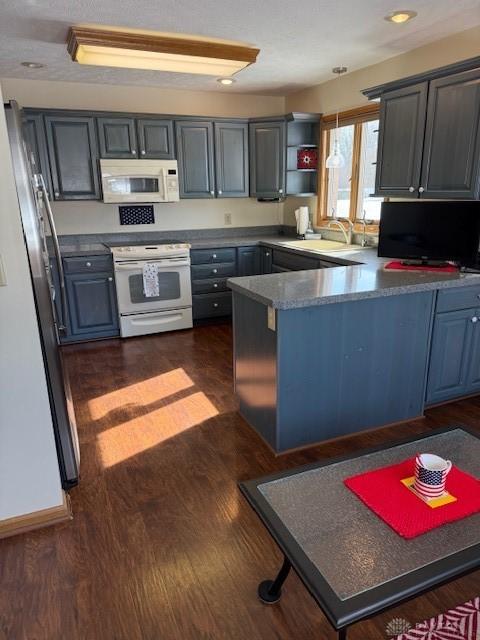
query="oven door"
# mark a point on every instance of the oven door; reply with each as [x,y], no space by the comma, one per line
[134,188]
[173,281]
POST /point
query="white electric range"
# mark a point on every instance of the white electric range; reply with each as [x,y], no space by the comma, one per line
[172,308]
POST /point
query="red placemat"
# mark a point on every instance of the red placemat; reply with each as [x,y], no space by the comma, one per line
[396,265]
[383,492]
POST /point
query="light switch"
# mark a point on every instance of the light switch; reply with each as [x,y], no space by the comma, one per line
[3,277]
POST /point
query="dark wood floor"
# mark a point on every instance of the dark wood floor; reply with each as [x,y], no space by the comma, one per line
[162,546]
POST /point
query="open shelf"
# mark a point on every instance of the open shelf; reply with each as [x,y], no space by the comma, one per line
[302,133]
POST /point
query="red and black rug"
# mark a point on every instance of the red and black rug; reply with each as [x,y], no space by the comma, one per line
[461,623]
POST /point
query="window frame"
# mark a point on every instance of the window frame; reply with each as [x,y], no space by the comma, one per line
[356,117]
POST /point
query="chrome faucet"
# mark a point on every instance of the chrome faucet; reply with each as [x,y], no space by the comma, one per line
[346,234]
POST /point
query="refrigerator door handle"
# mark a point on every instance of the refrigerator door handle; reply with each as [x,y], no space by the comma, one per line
[56,247]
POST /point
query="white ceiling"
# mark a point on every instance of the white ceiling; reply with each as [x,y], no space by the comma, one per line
[299,41]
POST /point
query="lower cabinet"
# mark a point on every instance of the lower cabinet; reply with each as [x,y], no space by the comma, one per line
[91,298]
[265,260]
[455,355]
[92,305]
[249,261]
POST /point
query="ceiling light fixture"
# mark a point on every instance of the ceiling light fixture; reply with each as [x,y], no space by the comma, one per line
[335,159]
[158,51]
[226,81]
[401,16]
[32,65]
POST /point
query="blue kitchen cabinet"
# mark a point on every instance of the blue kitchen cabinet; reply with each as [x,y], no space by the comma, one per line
[92,305]
[454,369]
[249,261]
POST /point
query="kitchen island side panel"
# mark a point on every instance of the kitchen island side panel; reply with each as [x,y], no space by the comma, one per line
[347,367]
[255,366]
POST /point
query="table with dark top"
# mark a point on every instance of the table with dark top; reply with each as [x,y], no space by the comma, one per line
[352,563]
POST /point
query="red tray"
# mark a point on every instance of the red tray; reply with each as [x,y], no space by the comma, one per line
[383,492]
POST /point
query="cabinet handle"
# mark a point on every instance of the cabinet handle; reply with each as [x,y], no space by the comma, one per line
[134,153]
[57,195]
[212,193]
[215,304]
[215,285]
[214,270]
[280,191]
[421,189]
[142,152]
[88,264]
[214,255]
[110,279]
[267,253]
[474,319]
[220,192]
[411,189]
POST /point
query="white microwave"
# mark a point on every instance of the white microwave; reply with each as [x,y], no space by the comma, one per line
[139,180]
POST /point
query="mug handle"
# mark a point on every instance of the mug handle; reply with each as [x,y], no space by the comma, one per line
[449,467]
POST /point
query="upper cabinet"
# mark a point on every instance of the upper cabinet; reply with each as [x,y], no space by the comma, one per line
[429,138]
[155,138]
[195,159]
[212,159]
[34,133]
[231,159]
[400,141]
[117,137]
[451,154]
[73,155]
[267,159]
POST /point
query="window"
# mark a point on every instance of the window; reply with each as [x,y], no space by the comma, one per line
[347,192]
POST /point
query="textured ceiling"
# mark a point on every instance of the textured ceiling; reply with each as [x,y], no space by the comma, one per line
[299,41]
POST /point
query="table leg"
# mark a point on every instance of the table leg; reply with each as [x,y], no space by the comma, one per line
[342,634]
[270,591]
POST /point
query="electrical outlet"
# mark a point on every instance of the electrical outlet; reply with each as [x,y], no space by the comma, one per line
[228,218]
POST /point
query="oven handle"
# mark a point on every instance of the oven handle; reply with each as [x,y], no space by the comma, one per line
[163,264]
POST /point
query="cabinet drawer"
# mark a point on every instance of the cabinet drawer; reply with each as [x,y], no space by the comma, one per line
[207,256]
[199,272]
[213,285]
[458,298]
[86,264]
[211,305]
[293,262]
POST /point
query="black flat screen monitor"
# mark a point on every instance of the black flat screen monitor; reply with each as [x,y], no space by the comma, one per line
[430,232]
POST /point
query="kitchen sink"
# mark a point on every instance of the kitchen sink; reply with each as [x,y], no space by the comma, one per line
[322,245]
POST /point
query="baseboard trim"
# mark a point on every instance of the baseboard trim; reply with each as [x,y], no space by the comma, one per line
[37,519]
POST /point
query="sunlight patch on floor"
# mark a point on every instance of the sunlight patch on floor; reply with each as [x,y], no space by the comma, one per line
[146,391]
[140,434]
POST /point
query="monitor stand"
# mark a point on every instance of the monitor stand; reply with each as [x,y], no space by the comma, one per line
[440,264]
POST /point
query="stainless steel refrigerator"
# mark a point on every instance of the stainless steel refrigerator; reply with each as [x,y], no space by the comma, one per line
[36,215]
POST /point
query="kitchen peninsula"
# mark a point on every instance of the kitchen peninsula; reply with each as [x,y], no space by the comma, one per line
[325,353]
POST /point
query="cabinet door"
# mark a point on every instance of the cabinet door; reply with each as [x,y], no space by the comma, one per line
[231,159]
[248,261]
[117,137]
[34,133]
[92,305]
[451,157]
[451,344]
[195,159]
[155,138]
[73,155]
[266,260]
[400,141]
[473,375]
[267,159]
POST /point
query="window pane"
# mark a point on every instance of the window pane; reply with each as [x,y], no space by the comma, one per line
[368,156]
[339,185]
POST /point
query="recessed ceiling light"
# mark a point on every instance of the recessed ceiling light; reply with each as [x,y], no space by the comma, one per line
[32,65]
[226,81]
[132,49]
[403,15]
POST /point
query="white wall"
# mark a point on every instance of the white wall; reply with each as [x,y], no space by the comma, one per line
[29,475]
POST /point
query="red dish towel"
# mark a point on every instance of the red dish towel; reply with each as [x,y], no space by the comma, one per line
[383,492]
[396,265]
